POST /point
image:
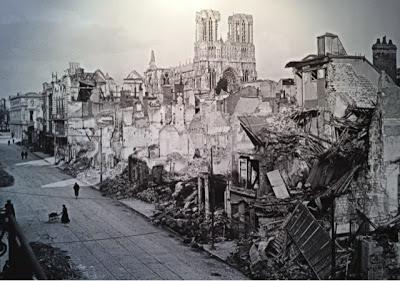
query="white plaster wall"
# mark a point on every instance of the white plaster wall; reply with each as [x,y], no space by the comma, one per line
[392,186]
[340,107]
[135,137]
[299,90]
[171,141]
[310,87]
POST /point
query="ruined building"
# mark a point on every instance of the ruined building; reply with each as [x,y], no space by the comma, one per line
[214,58]
[384,57]
[333,86]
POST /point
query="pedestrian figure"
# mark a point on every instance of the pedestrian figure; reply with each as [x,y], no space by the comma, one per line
[8,142]
[64,215]
[13,141]
[10,208]
[26,154]
[76,190]
[22,155]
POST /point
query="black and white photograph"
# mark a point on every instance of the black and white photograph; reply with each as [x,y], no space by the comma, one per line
[199,140]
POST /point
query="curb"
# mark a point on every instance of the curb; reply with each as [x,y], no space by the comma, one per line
[217,256]
[178,235]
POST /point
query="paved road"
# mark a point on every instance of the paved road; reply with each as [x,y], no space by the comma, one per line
[105,239]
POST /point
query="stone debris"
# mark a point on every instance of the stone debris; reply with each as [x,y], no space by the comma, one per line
[77,166]
[295,161]
[333,170]
[55,263]
[119,187]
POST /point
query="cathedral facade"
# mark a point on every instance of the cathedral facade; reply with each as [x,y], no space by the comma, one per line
[214,58]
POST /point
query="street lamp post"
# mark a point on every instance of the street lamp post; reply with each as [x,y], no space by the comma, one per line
[101,154]
[333,249]
[212,186]
[55,143]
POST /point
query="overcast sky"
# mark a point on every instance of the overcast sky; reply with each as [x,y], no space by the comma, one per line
[39,37]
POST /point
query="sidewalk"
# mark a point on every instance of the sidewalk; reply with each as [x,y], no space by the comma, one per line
[222,249]
[143,208]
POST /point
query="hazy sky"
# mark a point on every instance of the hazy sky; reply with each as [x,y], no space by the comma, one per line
[41,37]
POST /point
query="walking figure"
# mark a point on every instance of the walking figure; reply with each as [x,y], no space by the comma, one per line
[22,155]
[64,215]
[13,141]
[8,142]
[76,190]
[26,154]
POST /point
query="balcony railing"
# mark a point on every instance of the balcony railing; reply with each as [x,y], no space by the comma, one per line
[22,262]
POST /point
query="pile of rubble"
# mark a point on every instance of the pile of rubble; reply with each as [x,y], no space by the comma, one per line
[180,212]
[192,170]
[77,166]
[118,187]
[240,258]
[155,193]
[325,170]
[271,254]
[55,263]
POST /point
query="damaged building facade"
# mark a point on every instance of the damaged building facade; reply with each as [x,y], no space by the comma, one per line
[333,88]
[293,162]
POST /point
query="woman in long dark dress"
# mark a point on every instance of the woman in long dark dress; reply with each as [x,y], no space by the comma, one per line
[64,215]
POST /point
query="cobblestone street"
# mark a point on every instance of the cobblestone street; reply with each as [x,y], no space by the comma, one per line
[105,239]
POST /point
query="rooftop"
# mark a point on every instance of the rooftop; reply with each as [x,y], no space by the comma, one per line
[353,88]
[133,75]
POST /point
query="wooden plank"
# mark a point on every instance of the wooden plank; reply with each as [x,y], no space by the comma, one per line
[278,185]
[311,239]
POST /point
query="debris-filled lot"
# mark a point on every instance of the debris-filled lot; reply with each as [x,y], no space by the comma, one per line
[291,235]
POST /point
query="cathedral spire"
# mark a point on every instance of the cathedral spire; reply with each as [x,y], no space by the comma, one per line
[152,63]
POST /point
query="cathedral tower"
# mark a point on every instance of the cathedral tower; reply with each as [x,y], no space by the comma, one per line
[240,28]
[240,47]
[207,25]
[214,59]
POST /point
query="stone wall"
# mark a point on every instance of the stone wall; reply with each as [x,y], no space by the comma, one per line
[172,141]
[383,198]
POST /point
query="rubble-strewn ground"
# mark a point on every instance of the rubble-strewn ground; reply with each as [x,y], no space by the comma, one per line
[5,178]
[175,200]
[118,187]
[315,172]
[292,267]
[55,263]
[77,166]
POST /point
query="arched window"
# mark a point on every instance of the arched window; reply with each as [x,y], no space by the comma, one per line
[237,32]
[210,30]
[246,76]
[243,31]
[204,30]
